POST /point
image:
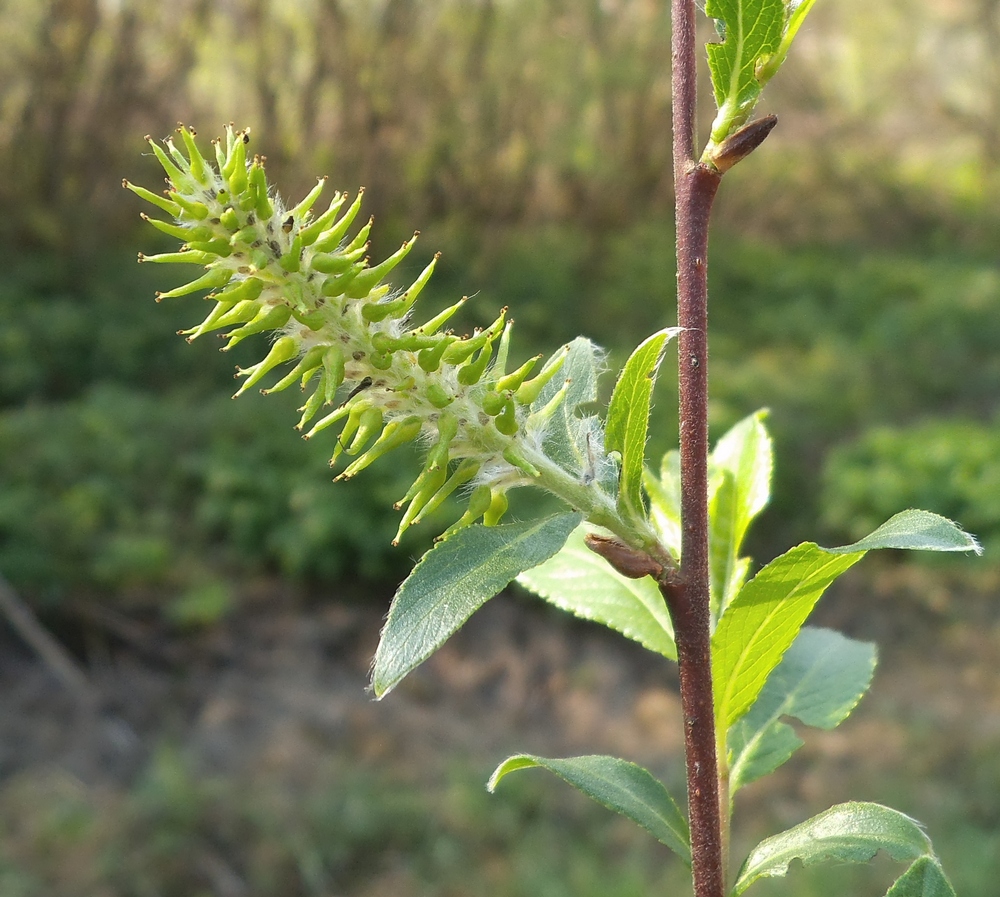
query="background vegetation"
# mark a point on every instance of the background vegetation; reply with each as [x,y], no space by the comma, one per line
[856,291]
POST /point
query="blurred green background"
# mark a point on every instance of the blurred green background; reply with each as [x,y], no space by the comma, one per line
[855,293]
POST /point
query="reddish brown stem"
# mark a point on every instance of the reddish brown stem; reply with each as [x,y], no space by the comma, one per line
[695,185]
[689,600]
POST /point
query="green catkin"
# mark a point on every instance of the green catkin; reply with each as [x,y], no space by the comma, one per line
[343,332]
[329,239]
[167,205]
[370,423]
[298,213]
[496,510]
[313,403]
[284,349]
[464,473]
[515,379]
[506,421]
[210,280]
[395,434]
[334,367]
[195,208]
[528,391]
[180,233]
[306,365]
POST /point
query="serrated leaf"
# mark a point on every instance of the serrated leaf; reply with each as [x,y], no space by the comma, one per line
[925,878]
[578,581]
[916,531]
[618,785]
[628,417]
[764,618]
[572,440]
[846,833]
[797,12]
[762,623]
[819,681]
[743,461]
[752,29]
[453,580]
[665,501]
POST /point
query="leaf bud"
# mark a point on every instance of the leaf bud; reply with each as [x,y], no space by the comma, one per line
[739,145]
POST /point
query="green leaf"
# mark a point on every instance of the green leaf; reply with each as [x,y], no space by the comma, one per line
[764,618]
[577,580]
[916,530]
[742,461]
[620,786]
[768,67]
[925,878]
[628,417]
[453,580]
[762,623]
[665,501]
[572,440]
[751,29]
[846,833]
[819,681]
